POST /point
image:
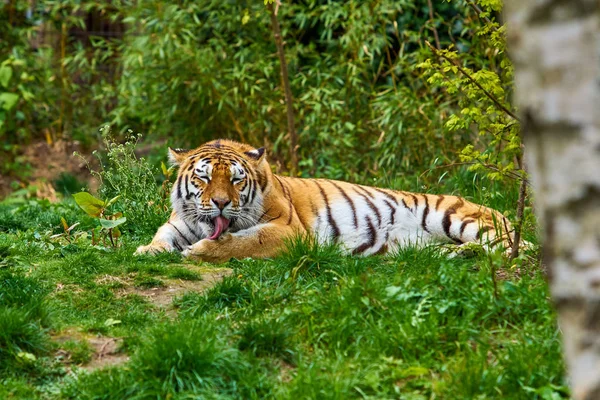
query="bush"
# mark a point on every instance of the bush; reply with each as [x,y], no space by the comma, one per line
[143,201]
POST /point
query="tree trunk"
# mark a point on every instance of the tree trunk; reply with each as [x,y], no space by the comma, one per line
[555,46]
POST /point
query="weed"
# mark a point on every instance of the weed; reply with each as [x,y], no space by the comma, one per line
[144,202]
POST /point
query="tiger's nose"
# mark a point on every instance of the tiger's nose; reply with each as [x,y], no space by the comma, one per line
[221,202]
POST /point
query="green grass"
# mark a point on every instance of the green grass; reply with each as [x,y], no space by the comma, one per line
[310,324]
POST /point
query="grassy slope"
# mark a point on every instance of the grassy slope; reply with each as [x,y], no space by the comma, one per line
[309,324]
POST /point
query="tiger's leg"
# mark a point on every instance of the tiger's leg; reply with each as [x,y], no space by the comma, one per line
[175,235]
[260,241]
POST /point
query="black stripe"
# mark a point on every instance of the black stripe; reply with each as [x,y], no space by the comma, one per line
[386,194]
[179,195]
[187,188]
[464,224]
[371,206]
[415,201]
[446,222]
[177,246]
[366,191]
[439,201]
[189,228]
[336,230]
[425,213]
[252,193]
[350,202]
[392,211]
[181,234]
[384,247]
[288,197]
[405,205]
[372,234]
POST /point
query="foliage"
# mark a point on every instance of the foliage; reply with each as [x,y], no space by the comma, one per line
[195,70]
[142,201]
[109,224]
[481,88]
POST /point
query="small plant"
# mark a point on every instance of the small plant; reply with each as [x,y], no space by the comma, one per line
[96,208]
[134,180]
[66,234]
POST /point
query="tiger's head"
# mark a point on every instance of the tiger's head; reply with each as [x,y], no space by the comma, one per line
[219,186]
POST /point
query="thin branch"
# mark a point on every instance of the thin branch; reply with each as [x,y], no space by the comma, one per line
[519,221]
[479,11]
[520,208]
[289,101]
[435,32]
[465,73]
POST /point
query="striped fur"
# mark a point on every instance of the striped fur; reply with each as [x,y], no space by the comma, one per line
[264,209]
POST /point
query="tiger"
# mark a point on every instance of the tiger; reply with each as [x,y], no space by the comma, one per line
[227,203]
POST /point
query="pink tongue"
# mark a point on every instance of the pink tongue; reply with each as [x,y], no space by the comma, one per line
[221,223]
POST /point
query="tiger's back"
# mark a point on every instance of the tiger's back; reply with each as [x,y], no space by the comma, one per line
[227,203]
[369,220]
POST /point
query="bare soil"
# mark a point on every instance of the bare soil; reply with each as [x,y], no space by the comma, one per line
[107,350]
[44,162]
[163,296]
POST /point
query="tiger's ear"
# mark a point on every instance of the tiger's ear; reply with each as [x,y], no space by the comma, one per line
[176,156]
[256,155]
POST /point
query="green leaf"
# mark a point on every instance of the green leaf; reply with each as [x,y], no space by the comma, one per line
[112,201]
[27,357]
[88,203]
[8,100]
[111,322]
[112,223]
[5,75]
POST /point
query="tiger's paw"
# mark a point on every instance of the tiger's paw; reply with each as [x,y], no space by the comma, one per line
[465,250]
[214,251]
[153,248]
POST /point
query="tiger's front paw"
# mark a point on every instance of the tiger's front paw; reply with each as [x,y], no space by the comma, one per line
[214,251]
[153,248]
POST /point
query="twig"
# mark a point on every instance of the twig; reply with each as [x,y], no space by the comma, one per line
[478,11]
[465,73]
[520,209]
[289,101]
[435,32]
[519,222]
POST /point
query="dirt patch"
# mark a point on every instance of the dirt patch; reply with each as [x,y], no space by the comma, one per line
[46,162]
[163,296]
[106,353]
[286,371]
[105,350]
